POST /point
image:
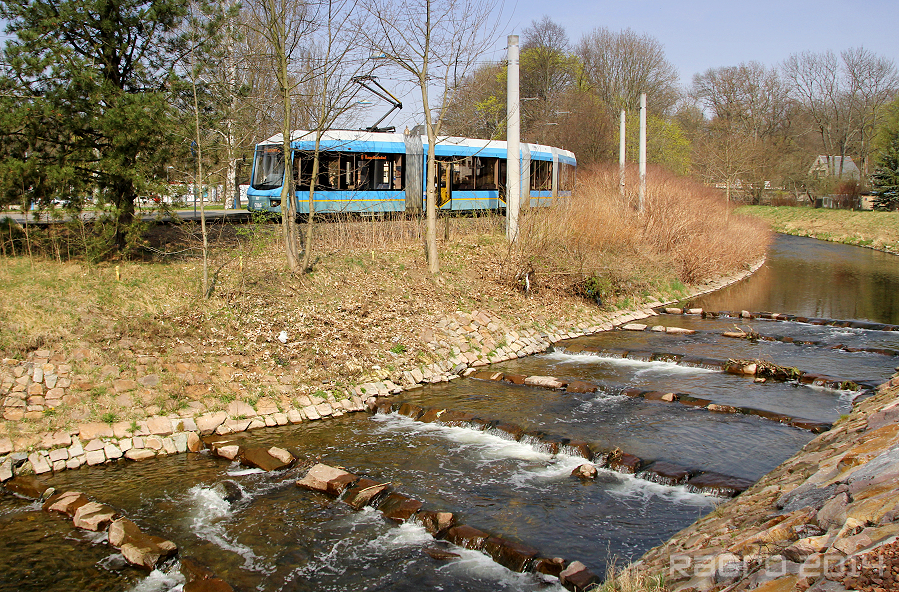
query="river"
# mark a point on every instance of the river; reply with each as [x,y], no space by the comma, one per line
[278,537]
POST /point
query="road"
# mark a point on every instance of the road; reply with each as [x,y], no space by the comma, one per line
[230,215]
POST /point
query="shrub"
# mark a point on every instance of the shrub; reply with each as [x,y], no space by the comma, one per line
[597,245]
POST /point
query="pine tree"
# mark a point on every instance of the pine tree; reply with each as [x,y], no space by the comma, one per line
[87,111]
[886,175]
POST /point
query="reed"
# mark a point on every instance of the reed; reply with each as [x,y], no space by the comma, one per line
[597,243]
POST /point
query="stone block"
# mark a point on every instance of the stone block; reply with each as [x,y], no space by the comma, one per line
[263,458]
[240,409]
[159,425]
[549,382]
[326,479]
[398,507]
[139,454]
[91,431]
[467,537]
[39,463]
[112,452]
[509,554]
[96,444]
[311,413]
[207,424]
[93,516]
[194,443]
[65,503]
[95,457]
[364,492]
[59,454]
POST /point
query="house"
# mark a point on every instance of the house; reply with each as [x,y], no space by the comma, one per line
[833,166]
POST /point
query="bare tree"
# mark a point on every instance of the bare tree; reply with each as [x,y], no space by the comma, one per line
[874,82]
[284,25]
[478,106]
[329,90]
[843,96]
[618,66]
[435,44]
[750,111]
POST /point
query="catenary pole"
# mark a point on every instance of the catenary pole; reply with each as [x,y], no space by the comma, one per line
[513,138]
[642,151]
[621,152]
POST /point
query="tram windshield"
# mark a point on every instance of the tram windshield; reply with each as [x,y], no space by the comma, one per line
[268,170]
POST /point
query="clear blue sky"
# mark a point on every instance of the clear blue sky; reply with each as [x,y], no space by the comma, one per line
[704,34]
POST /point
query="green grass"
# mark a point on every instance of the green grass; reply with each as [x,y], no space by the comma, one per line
[877,230]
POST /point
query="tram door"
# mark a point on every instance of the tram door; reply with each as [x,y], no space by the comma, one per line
[444,183]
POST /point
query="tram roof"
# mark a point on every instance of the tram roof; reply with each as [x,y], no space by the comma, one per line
[332,137]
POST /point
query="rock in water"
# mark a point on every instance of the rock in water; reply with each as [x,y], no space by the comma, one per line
[229,490]
[585,471]
[263,459]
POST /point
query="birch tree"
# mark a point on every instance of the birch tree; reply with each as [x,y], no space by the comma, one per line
[435,44]
[329,91]
[284,25]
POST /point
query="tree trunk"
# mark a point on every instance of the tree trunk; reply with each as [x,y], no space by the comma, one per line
[123,200]
[310,220]
[288,203]
[431,182]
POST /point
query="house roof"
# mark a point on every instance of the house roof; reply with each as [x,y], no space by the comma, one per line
[833,163]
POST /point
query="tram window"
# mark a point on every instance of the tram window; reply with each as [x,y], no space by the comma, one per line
[350,171]
[541,175]
[269,167]
[328,168]
[566,177]
[398,180]
[487,175]
[377,172]
[463,174]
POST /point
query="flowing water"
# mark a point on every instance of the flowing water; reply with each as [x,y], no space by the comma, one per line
[278,537]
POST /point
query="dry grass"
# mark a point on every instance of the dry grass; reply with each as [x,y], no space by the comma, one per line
[631,579]
[877,230]
[597,242]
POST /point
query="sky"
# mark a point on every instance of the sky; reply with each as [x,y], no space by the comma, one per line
[698,35]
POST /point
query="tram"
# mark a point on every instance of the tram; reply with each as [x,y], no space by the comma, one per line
[373,173]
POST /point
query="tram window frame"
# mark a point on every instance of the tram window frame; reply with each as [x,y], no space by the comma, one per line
[541,175]
[463,173]
[269,164]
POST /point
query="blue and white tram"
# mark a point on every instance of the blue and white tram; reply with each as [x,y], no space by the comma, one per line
[374,172]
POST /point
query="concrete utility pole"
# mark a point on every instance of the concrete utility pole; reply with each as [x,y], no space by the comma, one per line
[642,151]
[513,138]
[621,153]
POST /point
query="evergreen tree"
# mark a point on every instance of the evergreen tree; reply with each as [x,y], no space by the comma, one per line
[886,175]
[85,112]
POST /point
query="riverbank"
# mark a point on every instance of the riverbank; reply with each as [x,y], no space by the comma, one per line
[874,230]
[53,398]
[823,521]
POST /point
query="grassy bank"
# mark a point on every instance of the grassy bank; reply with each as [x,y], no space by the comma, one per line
[877,230]
[366,311]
